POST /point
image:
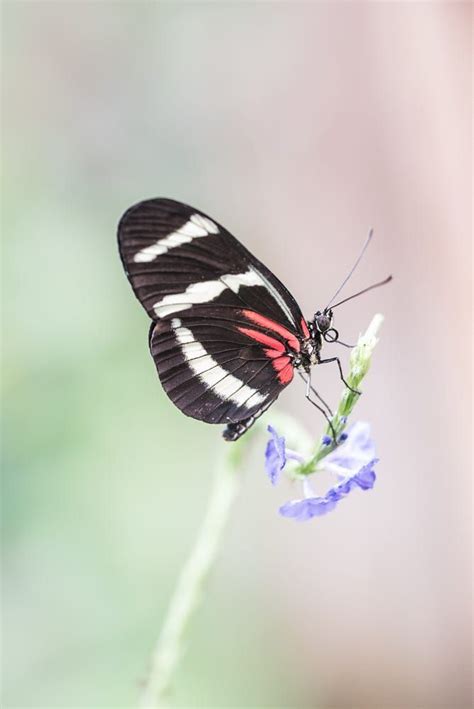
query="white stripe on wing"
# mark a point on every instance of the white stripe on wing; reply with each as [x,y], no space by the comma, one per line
[204,292]
[223,384]
[196,227]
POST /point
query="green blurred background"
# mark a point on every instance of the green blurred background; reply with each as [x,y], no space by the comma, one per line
[298,126]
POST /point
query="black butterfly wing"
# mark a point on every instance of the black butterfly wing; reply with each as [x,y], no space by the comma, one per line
[225,327]
[212,372]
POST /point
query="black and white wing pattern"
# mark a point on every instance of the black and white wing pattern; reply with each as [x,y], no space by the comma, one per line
[225,330]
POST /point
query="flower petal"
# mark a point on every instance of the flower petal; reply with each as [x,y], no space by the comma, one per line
[275,455]
[357,450]
[302,510]
[365,478]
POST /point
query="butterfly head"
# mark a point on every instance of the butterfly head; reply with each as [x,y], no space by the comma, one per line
[323,325]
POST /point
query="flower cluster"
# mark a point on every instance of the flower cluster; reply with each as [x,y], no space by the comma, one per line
[352,462]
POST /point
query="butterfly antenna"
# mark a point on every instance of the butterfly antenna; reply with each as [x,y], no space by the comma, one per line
[358,260]
[356,295]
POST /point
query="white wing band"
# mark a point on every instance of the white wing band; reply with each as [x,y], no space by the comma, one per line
[196,227]
[223,384]
[204,292]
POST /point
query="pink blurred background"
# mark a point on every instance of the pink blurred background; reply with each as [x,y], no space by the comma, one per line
[298,126]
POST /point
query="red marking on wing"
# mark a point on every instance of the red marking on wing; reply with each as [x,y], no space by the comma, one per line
[284,369]
[272,353]
[304,327]
[281,363]
[258,336]
[285,375]
[268,324]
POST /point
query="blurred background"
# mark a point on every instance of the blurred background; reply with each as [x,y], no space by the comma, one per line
[298,126]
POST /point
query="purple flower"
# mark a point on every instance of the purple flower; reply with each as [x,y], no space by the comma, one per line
[275,455]
[308,507]
[352,462]
[312,506]
[356,450]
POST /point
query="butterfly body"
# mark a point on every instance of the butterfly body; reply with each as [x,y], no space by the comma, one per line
[226,335]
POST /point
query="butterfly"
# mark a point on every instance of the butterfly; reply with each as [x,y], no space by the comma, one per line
[226,335]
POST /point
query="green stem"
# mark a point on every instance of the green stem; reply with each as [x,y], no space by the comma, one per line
[360,363]
[188,592]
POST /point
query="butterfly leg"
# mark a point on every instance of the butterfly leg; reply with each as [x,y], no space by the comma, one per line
[336,359]
[310,389]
